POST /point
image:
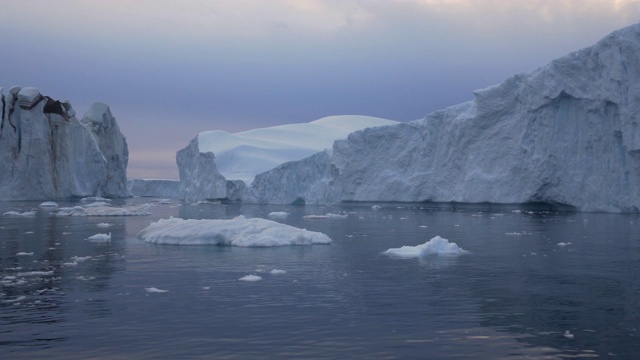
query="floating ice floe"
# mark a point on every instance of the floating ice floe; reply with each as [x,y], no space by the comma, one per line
[327,216]
[278,215]
[94,198]
[16,300]
[48,204]
[155,290]
[250,278]
[103,225]
[239,231]
[376,207]
[19,214]
[563,244]
[22,253]
[435,246]
[277,272]
[102,211]
[34,273]
[568,335]
[100,238]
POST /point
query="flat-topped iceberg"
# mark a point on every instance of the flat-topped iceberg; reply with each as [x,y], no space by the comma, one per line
[239,231]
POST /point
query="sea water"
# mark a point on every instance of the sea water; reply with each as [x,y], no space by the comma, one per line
[527,277]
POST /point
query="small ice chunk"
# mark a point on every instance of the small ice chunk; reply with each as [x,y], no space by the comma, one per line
[278,215]
[100,238]
[327,216]
[19,214]
[563,244]
[376,207]
[80,258]
[103,225]
[34,273]
[94,198]
[435,246]
[250,278]
[206,287]
[155,290]
[164,201]
[568,335]
[277,272]
[16,300]
[22,253]
[49,204]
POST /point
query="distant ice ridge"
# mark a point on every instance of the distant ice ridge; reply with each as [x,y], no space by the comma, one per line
[218,165]
[567,134]
[46,152]
[154,187]
[235,232]
[103,209]
[435,246]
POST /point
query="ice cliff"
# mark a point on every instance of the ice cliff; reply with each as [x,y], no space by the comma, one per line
[566,133]
[154,187]
[46,152]
[219,165]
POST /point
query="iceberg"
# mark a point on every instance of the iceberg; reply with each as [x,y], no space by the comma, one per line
[219,165]
[46,152]
[566,134]
[435,246]
[234,232]
[154,188]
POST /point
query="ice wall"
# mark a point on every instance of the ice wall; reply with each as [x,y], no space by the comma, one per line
[47,153]
[567,133]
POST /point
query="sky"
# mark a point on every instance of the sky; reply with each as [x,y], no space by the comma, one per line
[172,69]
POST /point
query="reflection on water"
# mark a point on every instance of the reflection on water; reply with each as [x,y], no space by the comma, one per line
[513,295]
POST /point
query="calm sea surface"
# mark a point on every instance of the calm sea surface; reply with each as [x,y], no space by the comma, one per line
[512,296]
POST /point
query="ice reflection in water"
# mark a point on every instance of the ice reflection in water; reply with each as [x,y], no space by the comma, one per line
[515,294]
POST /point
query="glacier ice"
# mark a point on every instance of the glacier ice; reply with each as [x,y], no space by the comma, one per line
[220,165]
[565,134]
[154,187]
[46,152]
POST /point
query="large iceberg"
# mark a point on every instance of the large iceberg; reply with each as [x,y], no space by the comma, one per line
[565,134]
[219,165]
[154,187]
[46,152]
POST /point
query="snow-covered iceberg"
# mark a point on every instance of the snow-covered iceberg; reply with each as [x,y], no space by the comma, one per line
[566,134]
[154,187]
[218,165]
[46,152]
[234,232]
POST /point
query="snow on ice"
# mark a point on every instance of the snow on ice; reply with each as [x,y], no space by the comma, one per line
[239,231]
